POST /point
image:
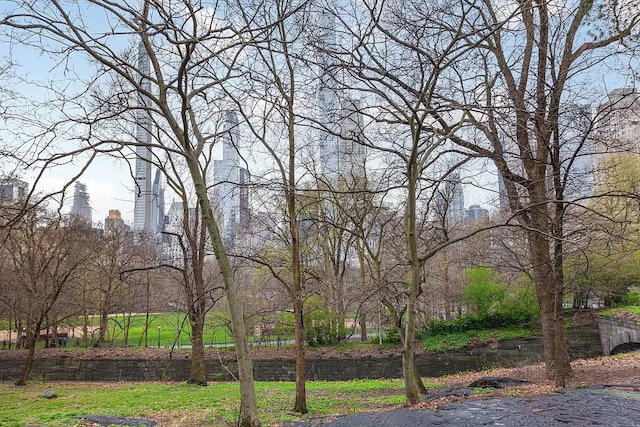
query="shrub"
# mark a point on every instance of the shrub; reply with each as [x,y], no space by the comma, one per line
[391,336]
[630,298]
[320,323]
[484,290]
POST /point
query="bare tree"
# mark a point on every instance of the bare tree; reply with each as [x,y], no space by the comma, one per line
[518,102]
[190,53]
[47,255]
[274,70]
[189,241]
[398,60]
[113,255]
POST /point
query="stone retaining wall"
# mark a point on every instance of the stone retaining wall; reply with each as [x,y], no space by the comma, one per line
[584,343]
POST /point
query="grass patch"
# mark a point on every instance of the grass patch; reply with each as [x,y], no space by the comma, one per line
[460,340]
[633,309]
[178,404]
[164,330]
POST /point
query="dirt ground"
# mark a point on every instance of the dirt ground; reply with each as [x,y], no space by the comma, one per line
[612,370]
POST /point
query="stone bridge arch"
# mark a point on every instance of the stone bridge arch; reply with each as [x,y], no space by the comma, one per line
[617,335]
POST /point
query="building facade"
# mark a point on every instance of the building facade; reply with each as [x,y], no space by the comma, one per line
[449,200]
[143,197]
[81,206]
[12,190]
[230,191]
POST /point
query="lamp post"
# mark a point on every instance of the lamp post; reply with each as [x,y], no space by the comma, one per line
[159,336]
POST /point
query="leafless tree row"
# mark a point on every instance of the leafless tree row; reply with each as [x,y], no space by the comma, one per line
[433,90]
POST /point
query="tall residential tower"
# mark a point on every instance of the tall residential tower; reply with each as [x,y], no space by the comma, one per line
[143,190]
[339,116]
[81,207]
[328,101]
[229,182]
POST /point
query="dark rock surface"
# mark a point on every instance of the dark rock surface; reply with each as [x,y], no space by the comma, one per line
[617,405]
[106,420]
[497,382]
[49,394]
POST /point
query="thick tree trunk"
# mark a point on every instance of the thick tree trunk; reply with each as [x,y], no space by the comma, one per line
[198,373]
[549,292]
[30,344]
[363,327]
[412,381]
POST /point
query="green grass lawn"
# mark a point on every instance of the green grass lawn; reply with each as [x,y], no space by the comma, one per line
[459,340]
[165,330]
[178,404]
[632,309]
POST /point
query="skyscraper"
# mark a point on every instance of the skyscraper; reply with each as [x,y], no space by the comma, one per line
[230,178]
[114,224]
[617,133]
[475,213]
[157,205]
[12,190]
[143,190]
[618,122]
[81,207]
[339,116]
[352,155]
[327,102]
[449,200]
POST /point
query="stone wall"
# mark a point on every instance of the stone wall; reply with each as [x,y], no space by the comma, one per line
[617,332]
[584,342]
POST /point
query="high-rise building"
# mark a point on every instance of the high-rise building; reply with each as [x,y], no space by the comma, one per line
[449,200]
[339,117]
[81,206]
[617,128]
[143,190]
[328,101]
[12,190]
[157,205]
[230,180]
[175,224]
[114,224]
[352,155]
[618,122]
[475,213]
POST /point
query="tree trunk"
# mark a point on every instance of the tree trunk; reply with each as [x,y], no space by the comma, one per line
[104,318]
[248,416]
[412,381]
[30,343]
[147,309]
[198,373]
[556,353]
[363,327]
[300,404]
[414,386]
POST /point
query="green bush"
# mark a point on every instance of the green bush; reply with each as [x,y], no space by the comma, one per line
[518,307]
[484,290]
[474,322]
[320,323]
[630,298]
[391,336]
[285,326]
